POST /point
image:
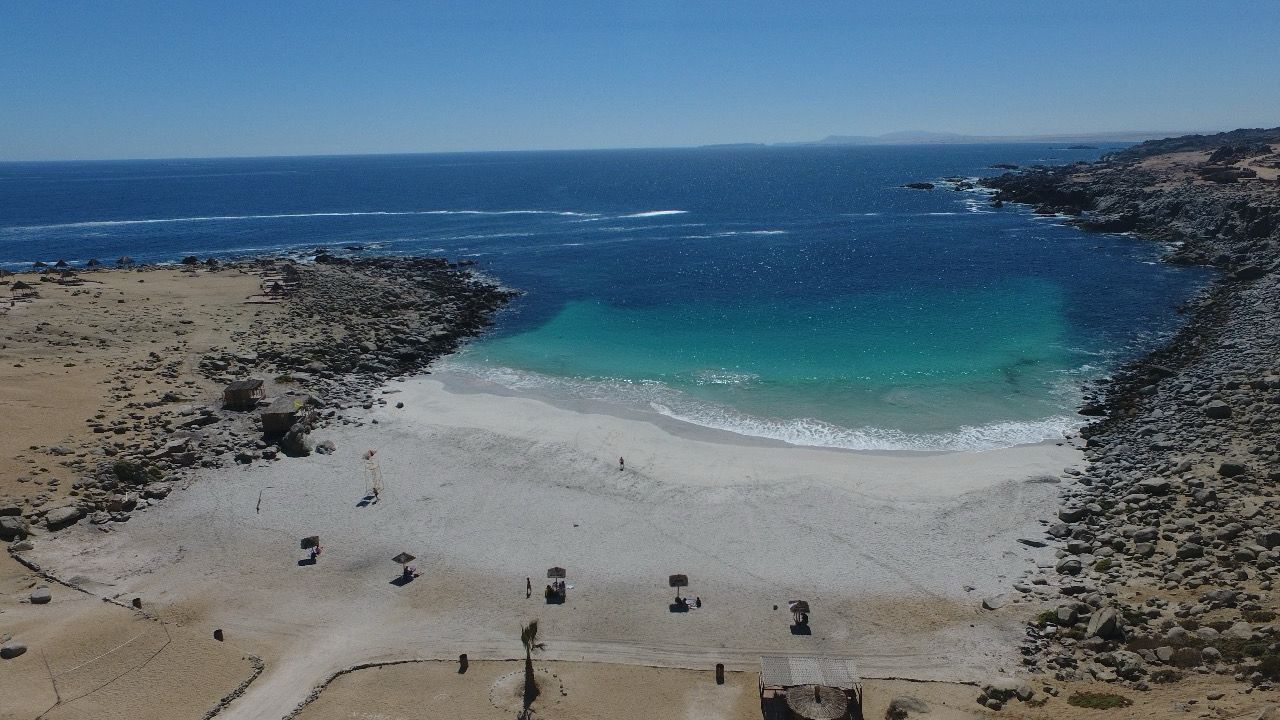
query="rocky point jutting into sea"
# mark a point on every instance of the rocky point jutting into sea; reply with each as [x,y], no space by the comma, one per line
[1169,540]
[328,335]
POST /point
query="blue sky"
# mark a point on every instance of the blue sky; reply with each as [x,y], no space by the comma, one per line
[179,79]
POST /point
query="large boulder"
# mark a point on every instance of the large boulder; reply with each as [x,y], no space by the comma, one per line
[12,649]
[1218,410]
[1072,514]
[1105,624]
[1231,469]
[903,706]
[62,517]
[13,528]
[1069,566]
[1155,486]
[1004,689]
[295,443]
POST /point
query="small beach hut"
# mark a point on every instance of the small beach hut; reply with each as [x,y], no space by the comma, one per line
[810,688]
[243,394]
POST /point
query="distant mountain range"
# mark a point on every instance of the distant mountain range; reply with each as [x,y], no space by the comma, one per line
[922,137]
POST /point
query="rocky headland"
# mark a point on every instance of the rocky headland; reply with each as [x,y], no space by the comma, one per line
[1168,541]
[322,336]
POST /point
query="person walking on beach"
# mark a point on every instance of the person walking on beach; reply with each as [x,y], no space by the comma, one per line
[528,588]
[622,464]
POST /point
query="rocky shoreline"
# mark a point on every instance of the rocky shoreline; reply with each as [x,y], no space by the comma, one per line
[339,329]
[1168,542]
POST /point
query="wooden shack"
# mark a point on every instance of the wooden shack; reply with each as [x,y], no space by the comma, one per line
[282,413]
[243,394]
[825,687]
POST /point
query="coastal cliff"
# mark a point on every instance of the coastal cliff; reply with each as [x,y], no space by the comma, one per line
[1169,540]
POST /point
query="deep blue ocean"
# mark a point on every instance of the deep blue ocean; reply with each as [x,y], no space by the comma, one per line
[794,293]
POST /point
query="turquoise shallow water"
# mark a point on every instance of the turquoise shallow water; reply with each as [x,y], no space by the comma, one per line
[794,293]
[887,370]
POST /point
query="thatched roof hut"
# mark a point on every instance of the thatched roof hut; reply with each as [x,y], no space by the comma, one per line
[816,688]
[817,702]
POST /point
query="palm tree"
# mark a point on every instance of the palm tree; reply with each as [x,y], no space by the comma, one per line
[529,638]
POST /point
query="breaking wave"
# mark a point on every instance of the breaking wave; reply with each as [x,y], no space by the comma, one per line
[662,399]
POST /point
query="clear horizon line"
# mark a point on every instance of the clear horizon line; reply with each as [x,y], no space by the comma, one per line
[1027,139]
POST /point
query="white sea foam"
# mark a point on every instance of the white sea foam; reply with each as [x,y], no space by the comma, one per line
[671,403]
[654,213]
[732,233]
[816,433]
[282,216]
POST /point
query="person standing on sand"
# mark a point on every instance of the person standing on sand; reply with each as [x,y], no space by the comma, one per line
[528,588]
[622,464]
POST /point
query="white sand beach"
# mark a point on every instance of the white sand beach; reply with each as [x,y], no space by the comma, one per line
[894,551]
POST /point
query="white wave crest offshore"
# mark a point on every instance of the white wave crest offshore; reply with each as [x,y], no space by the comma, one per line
[282,216]
[654,213]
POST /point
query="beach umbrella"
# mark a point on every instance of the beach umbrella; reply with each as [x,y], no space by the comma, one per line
[556,572]
[817,702]
[678,581]
[93,262]
[61,264]
[309,542]
[19,285]
[39,264]
[798,608]
[403,558]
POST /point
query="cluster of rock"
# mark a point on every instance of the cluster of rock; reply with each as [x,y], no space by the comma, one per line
[349,325]
[1168,541]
